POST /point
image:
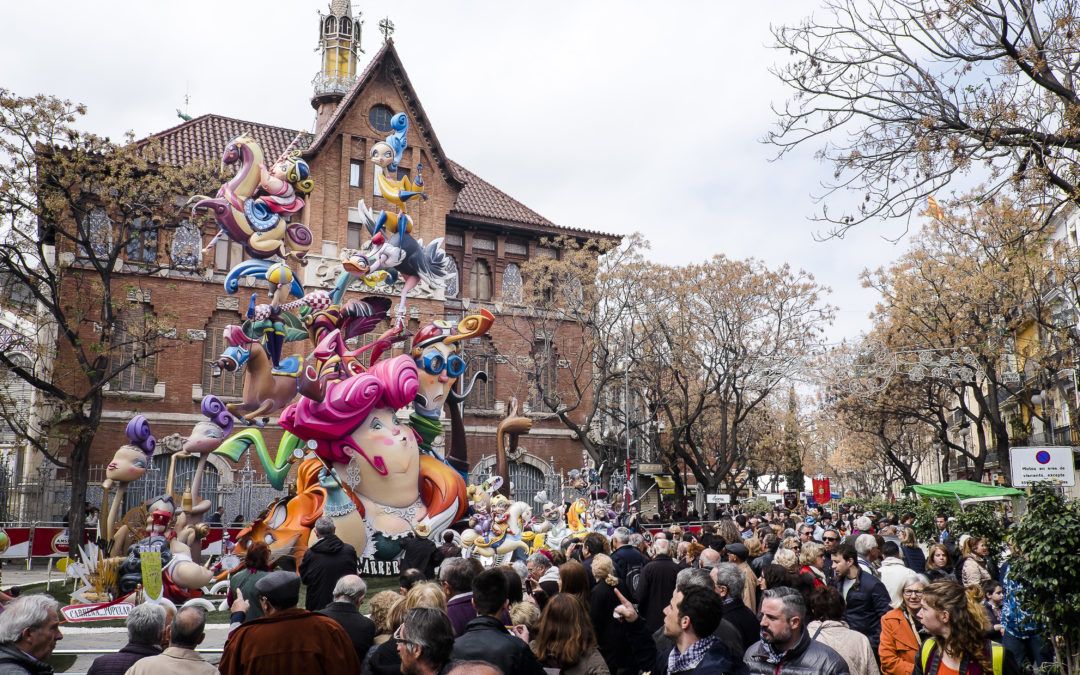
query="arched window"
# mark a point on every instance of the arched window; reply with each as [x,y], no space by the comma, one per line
[142,245]
[227,384]
[511,283]
[481,355]
[453,278]
[98,235]
[480,280]
[15,395]
[130,347]
[328,26]
[186,248]
[379,117]
[345,26]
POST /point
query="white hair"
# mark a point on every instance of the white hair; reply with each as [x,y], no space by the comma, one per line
[145,624]
[25,611]
[865,543]
[349,588]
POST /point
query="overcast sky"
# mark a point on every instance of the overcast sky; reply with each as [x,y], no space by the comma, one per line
[613,116]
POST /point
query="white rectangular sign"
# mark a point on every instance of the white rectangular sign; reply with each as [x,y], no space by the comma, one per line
[717,499]
[1053,464]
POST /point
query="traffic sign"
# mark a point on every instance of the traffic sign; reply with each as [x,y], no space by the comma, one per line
[1053,464]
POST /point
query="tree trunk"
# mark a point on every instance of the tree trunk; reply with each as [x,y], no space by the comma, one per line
[80,474]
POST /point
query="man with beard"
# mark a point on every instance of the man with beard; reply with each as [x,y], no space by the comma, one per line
[785,646]
[424,641]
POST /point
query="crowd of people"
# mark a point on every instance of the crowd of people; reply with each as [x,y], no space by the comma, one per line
[762,593]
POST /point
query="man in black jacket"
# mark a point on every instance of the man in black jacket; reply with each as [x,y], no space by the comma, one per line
[657,585]
[785,646]
[345,609]
[145,627]
[326,561]
[865,597]
[729,581]
[486,637]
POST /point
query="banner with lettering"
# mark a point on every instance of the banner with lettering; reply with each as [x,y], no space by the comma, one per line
[150,564]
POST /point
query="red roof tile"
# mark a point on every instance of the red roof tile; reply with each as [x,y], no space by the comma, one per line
[205,137]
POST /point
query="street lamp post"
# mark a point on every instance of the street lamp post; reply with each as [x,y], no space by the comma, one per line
[628,489]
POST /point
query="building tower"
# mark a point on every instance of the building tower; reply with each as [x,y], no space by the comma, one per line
[339,44]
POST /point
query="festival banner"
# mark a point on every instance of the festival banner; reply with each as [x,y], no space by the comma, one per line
[150,564]
[822,495]
[96,611]
[14,542]
[51,542]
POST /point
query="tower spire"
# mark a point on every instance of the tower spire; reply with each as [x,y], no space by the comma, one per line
[339,46]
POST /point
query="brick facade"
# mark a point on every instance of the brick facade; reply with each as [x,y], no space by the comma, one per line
[460,204]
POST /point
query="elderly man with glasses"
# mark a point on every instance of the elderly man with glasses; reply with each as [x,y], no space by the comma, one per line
[424,641]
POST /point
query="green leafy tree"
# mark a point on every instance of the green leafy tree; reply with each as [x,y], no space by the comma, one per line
[1046,539]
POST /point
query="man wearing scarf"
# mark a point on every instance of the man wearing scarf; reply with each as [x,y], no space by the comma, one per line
[690,620]
[785,646]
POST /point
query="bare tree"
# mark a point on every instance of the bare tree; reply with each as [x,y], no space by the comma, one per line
[905,96]
[83,220]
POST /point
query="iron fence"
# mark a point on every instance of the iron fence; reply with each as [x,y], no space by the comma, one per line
[45,497]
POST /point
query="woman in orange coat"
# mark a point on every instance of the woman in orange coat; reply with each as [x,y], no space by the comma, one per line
[900,630]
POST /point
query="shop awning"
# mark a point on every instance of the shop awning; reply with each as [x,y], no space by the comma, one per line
[666,484]
[964,490]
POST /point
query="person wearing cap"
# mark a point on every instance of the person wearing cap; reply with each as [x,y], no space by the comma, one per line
[738,554]
[287,640]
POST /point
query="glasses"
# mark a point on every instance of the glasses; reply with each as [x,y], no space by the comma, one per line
[400,637]
[830,539]
[913,593]
[434,364]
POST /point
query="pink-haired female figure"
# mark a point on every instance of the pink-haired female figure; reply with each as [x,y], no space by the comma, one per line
[355,428]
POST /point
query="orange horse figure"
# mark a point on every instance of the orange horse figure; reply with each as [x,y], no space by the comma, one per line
[266,389]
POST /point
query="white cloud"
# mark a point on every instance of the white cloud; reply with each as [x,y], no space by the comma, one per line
[615,116]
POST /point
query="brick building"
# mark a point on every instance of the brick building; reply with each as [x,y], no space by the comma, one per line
[488,234]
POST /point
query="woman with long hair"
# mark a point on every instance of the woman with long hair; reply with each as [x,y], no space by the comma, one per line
[973,572]
[256,566]
[573,581]
[902,633]
[958,626]
[566,640]
[939,564]
[914,558]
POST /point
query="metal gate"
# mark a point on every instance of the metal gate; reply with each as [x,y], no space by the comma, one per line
[526,480]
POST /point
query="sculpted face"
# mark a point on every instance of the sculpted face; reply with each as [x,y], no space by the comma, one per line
[128,464]
[388,446]
[439,367]
[204,438]
[382,154]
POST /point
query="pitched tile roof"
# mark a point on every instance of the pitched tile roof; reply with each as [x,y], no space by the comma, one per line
[205,137]
[481,198]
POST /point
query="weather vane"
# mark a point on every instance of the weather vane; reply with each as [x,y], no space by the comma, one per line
[386,27]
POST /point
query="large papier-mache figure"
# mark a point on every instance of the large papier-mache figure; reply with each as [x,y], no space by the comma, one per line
[377,486]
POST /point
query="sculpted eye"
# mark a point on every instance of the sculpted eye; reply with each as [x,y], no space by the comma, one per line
[376,423]
[277,518]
